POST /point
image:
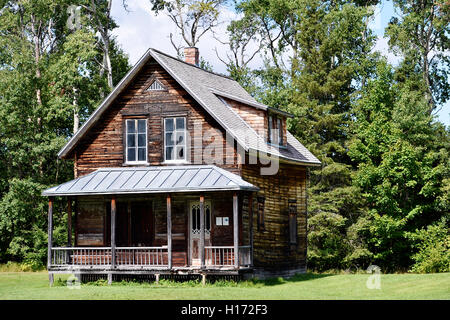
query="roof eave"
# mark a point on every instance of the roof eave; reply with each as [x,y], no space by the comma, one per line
[123,192]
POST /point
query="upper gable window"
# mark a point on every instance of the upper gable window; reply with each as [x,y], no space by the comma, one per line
[175,139]
[136,141]
[155,86]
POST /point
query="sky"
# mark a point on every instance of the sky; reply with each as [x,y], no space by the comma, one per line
[140,29]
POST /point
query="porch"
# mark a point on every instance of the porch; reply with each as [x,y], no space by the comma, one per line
[167,230]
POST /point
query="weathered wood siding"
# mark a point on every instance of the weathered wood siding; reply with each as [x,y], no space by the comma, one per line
[272,250]
[103,145]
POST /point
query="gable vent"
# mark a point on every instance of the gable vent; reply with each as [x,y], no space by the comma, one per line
[156,86]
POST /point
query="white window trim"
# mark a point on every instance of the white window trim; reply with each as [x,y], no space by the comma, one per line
[126,143]
[175,161]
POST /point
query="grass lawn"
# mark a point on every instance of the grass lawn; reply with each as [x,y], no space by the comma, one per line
[34,285]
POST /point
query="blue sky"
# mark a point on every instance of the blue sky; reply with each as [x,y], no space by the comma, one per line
[140,29]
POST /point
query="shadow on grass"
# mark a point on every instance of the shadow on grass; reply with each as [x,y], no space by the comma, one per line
[295,278]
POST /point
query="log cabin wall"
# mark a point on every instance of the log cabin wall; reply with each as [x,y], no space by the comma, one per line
[103,145]
[256,118]
[273,253]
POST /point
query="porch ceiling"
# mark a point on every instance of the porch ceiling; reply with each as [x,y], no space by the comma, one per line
[161,179]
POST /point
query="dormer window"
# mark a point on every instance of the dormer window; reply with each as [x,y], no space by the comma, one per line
[275,132]
[136,140]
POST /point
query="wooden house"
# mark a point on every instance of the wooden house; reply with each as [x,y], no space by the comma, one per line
[180,171]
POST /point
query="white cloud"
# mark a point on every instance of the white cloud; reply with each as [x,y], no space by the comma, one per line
[382,46]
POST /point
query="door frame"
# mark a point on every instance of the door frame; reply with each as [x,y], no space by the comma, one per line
[190,235]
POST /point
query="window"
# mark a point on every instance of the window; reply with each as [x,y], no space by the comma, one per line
[275,132]
[270,129]
[156,86]
[175,139]
[136,141]
[195,212]
[280,132]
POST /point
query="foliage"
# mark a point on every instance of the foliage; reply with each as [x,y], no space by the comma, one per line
[402,158]
[433,244]
[421,34]
[382,193]
[50,78]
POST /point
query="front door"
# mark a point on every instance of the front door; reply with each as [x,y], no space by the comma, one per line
[194,226]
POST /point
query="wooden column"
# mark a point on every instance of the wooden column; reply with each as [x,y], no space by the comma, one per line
[113,232]
[169,230]
[250,224]
[50,232]
[202,231]
[69,222]
[236,230]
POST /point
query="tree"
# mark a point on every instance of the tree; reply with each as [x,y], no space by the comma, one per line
[421,36]
[193,18]
[49,83]
[403,161]
[318,52]
[242,35]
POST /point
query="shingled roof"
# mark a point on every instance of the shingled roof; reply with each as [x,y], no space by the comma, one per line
[206,87]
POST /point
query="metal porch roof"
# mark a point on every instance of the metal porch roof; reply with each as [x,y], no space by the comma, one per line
[161,179]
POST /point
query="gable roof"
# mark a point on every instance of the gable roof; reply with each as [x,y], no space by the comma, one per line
[204,87]
[158,179]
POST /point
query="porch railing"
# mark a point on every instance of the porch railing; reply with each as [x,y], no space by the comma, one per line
[142,256]
[102,256]
[99,257]
[80,256]
[223,256]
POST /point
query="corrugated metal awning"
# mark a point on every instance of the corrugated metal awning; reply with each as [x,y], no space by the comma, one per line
[159,179]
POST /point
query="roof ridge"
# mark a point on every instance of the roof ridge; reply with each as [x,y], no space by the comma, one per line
[192,65]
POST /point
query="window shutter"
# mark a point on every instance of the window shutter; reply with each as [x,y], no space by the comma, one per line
[261,202]
[292,221]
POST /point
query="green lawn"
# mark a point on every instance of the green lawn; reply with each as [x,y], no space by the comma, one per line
[34,285]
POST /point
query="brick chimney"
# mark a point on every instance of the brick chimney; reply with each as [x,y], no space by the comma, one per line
[191,55]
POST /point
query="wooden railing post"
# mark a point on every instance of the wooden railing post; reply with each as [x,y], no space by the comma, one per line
[50,232]
[235,230]
[69,222]
[169,230]
[202,231]
[113,232]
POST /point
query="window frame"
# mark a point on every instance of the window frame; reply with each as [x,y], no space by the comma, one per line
[270,121]
[127,162]
[175,131]
[279,131]
[275,131]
